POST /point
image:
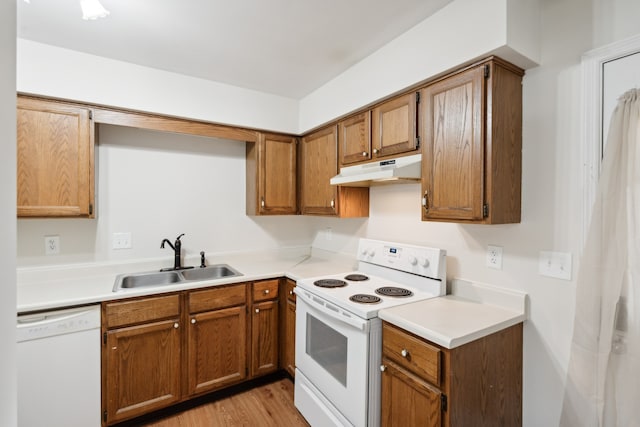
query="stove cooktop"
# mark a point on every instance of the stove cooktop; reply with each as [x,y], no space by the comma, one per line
[364,297]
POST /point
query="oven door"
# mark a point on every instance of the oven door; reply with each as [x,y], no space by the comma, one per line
[332,353]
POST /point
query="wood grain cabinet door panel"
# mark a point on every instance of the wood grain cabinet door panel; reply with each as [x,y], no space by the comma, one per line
[277,180]
[217,353]
[354,139]
[319,163]
[143,365]
[407,400]
[55,159]
[453,152]
[394,128]
[264,338]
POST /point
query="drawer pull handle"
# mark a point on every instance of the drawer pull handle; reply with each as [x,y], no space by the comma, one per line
[383,368]
[193,321]
[404,352]
[176,325]
[257,310]
[266,291]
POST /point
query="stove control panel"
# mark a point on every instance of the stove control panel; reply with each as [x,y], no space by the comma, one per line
[421,260]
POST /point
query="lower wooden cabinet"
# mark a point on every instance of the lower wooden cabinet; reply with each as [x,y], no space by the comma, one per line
[264,327]
[162,350]
[288,328]
[141,358]
[478,383]
[216,338]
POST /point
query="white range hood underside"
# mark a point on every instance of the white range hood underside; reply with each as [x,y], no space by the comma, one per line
[390,171]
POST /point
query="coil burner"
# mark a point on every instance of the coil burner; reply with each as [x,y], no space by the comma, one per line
[365,299]
[356,277]
[392,291]
[330,283]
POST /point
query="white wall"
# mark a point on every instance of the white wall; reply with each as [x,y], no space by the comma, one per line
[52,71]
[8,405]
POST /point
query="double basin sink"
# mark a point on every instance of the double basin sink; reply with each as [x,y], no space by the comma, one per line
[173,277]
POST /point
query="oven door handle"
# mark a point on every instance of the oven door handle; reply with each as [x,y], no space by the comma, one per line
[327,309]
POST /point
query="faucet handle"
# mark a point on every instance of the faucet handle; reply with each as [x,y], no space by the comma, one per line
[178,238]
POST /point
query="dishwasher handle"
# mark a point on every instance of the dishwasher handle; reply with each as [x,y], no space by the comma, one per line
[59,322]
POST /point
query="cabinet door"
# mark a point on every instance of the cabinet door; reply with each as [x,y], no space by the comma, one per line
[277,175]
[407,400]
[264,338]
[143,369]
[453,153]
[216,349]
[394,126]
[289,354]
[354,139]
[55,159]
[319,163]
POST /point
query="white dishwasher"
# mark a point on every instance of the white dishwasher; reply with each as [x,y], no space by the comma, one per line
[59,368]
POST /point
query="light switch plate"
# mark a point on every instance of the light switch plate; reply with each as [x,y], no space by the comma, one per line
[122,240]
[555,264]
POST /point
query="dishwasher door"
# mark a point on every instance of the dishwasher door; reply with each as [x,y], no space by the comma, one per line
[59,368]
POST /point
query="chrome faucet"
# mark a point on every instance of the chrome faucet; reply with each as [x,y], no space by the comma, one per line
[177,248]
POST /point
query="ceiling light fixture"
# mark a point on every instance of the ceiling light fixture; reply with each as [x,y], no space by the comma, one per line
[92,9]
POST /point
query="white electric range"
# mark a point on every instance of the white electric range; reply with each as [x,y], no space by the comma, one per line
[338,333]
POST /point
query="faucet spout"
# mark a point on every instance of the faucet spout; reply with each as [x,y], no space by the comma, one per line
[177,248]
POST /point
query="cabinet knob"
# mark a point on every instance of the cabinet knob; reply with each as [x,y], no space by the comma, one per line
[290,292]
[176,325]
[375,151]
[193,321]
[333,203]
[257,310]
[266,291]
[404,352]
[383,368]
[262,202]
[364,154]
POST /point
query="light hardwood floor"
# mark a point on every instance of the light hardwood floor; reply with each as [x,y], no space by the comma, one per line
[268,405]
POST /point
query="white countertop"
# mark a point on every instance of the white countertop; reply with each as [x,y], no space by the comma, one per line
[471,311]
[42,288]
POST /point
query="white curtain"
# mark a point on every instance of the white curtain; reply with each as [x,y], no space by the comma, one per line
[603,381]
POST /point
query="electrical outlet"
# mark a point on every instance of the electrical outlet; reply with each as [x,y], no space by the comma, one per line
[555,264]
[122,240]
[327,234]
[51,245]
[494,257]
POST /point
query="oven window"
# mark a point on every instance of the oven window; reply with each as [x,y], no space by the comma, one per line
[328,348]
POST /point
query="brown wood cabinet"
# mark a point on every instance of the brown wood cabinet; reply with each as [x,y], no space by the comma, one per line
[472,154]
[318,164]
[271,175]
[216,338]
[55,153]
[478,383]
[354,139]
[141,356]
[394,126]
[264,327]
[288,327]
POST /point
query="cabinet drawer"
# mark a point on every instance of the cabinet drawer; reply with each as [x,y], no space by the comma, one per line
[411,353]
[141,310]
[265,290]
[216,298]
[289,286]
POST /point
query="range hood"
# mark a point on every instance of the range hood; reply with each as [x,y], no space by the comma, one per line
[398,170]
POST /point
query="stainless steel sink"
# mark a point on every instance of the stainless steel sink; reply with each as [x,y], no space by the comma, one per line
[162,278]
[211,272]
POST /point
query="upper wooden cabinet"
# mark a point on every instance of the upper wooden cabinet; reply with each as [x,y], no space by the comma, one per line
[318,164]
[55,159]
[472,154]
[394,128]
[354,138]
[271,175]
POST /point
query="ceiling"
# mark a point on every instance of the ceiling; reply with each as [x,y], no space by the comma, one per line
[282,47]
